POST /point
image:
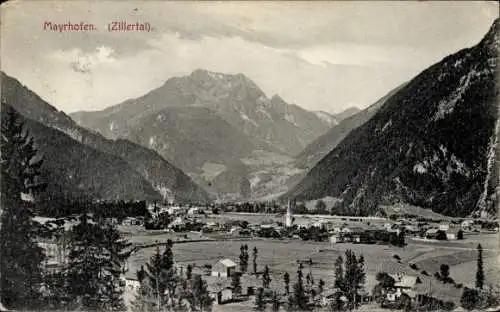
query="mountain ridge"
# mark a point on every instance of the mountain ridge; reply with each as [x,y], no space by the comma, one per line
[428,145]
[163,177]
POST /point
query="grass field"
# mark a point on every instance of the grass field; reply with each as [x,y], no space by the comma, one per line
[281,256]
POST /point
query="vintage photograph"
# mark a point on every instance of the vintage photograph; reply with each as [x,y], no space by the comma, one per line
[243,156]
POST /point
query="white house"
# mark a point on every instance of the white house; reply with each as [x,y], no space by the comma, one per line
[452,233]
[224,268]
[444,227]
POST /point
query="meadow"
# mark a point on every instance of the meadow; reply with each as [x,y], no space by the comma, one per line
[282,255]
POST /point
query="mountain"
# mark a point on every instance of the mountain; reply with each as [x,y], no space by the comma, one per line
[272,124]
[210,124]
[431,144]
[146,164]
[190,136]
[328,118]
[320,147]
[73,170]
[348,112]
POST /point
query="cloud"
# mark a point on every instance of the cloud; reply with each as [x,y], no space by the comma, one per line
[320,56]
[84,62]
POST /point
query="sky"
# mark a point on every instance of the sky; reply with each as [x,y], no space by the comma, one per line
[320,55]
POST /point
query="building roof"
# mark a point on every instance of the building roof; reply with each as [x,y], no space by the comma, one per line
[227,262]
[432,231]
[404,281]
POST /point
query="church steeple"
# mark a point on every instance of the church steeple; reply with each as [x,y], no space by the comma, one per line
[289,217]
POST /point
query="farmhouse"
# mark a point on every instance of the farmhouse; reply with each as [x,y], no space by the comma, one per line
[452,233]
[220,293]
[224,268]
[431,233]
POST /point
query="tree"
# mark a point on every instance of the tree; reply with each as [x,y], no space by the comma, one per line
[255,260]
[401,238]
[260,304]
[339,273]
[286,279]
[320,207]
[113,251]
[157,288]
[444,270]
[275,302]
[20,256]
[350,280]
[460,234]
[266,277]
[470,298]
[480,269]
[243,258]
[299,299]
[189,271]
[321,286]
[202,299]
[95,264]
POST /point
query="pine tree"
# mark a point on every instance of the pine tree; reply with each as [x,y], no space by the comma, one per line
[113,248]
[299,296]
[150,296]
[339,273]
[480,269]
[189,271]
[266,277]
[286,279]
[243,259]
[255,260]
[201,295]
[260,305]
[321,286]
[20,256]
[84,263]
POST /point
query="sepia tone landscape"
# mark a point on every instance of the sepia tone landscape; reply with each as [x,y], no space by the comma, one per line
[250,157]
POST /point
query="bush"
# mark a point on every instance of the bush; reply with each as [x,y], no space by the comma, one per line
[414,266]
[470,298]
[424,272]
[397,257]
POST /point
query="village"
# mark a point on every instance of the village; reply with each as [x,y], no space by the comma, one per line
[418,255]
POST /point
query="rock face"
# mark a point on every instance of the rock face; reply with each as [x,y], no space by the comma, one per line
[431,144]
[80,161]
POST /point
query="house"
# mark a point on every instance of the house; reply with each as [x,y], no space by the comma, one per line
[193,211]
[219,288]
[403,284]
[224,268]
[431,233]
[334,239]
[444,227]
[220,295]
[452,233]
